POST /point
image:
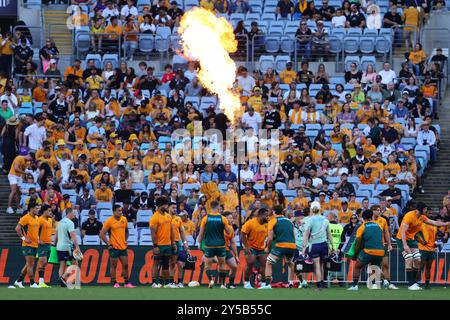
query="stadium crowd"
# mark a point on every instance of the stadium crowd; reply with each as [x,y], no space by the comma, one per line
[82,138]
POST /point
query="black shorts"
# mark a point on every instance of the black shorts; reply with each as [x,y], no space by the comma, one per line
[65,256]
[319,250]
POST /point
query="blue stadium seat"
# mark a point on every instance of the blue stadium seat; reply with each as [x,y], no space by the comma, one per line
[351,44]
[146,43]
[268,16]
[113,58]
[280,62]
[162,44]
[266,62]
[272,44]
[252,17]
[287,44]
[382,45]
[276,31]
[236,17]
[366,60]
[339,33]
[366,44]
[355,32]
[370,32]
[335,44]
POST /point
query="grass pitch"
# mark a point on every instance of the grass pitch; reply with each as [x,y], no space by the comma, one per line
[203,293]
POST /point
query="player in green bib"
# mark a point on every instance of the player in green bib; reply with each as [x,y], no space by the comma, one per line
[369,247]
[213,229]
[280,244]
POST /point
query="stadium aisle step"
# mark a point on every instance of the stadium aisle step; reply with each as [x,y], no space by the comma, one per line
[56,28]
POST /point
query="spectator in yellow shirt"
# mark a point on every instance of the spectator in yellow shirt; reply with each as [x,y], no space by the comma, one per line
[417,58]
[288,76]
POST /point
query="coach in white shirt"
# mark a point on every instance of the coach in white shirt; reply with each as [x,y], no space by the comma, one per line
[36,134]
[129,9]
[426,137]
[387,74]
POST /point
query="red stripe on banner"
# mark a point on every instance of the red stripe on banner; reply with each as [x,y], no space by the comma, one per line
[3,259]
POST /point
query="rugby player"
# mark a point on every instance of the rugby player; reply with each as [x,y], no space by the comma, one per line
[280,244]
[179,256]
[383,222]
[28,231]
[232,256]
[316,238]
[213,229]
[412,224]
[254,234]
[427,249]
[45,241]
[163,243]
[66,244]
[369,247]
[117,228]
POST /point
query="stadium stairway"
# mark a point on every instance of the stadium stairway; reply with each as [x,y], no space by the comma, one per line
[55,18]
[436,180]
[7,221]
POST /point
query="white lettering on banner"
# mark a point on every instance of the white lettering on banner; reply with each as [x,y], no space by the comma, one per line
[374,273]
[74,275]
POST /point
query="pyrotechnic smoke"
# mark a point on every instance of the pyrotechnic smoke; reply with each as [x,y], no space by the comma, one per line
[209,40]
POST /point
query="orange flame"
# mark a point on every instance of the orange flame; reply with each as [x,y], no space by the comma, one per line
[209,40]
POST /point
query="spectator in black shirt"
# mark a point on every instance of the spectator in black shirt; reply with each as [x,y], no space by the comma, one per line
[174,12]
[123,194]
[91,227]
[59,106]
[439,57]
[311,11]
[87,71]
[289,166]
[305,75]
[304,39]
[393,192]
[360,159]
[353,73]
[149,81]
[129,213]
[257,34]
[22,55]
[344,188]
[179,81]
[142,202]
[391,18]
[326,12]
[284,8]
[272,118]
[390,134]
[324,95]
[356,18]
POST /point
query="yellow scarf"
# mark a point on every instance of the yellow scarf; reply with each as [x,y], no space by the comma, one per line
[296,116]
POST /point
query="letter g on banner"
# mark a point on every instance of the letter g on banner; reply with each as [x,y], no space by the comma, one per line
[374,273]
[73,281]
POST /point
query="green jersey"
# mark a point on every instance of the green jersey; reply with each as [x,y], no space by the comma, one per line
[214,230]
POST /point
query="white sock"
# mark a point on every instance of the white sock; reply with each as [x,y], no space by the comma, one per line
[246,282]
[291,282]
[41,280]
